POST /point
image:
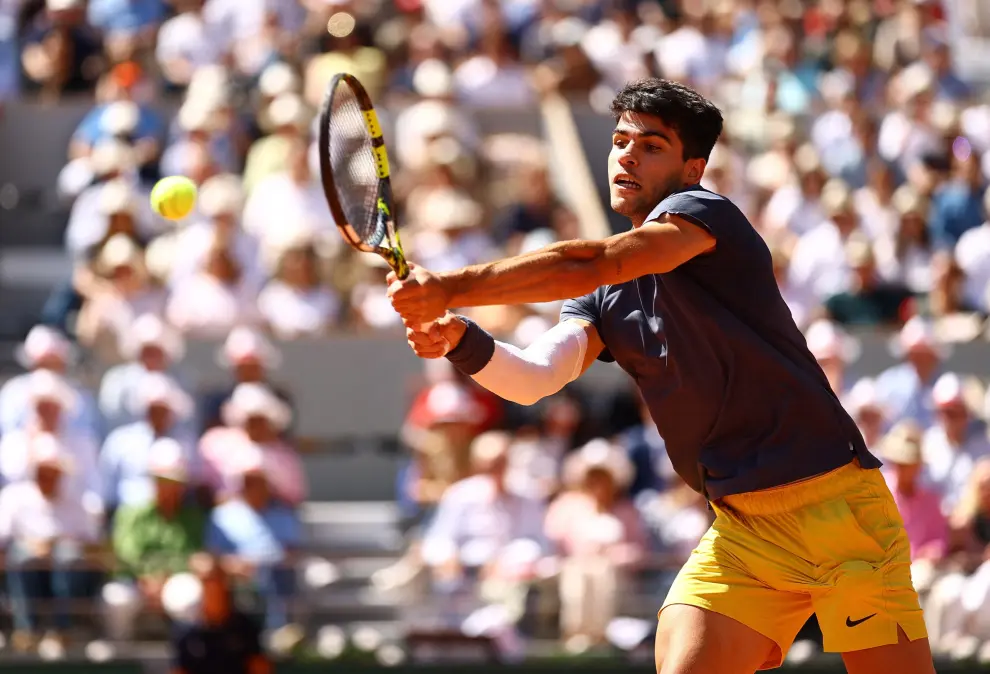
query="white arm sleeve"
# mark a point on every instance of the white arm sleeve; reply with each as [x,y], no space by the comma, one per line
[525,376]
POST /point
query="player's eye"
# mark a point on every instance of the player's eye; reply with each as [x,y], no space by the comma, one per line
[619,142]
[654,148]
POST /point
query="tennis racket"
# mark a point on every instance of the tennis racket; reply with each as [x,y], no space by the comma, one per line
[354,170]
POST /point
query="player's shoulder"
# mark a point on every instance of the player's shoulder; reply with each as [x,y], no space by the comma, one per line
[697,203]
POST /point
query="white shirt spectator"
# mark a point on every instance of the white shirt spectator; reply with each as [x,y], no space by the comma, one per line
[291,312]
[278,199]
[973,257]
[819,264]
[788,209]
[192,248]
[18,448]
[190,38]
[204,306]
[948,467]
[26,514]
[473,523]
[482,82]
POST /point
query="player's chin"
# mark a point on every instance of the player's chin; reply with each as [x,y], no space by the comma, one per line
[624,205]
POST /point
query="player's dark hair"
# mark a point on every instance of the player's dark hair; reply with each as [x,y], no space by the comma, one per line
[697,121]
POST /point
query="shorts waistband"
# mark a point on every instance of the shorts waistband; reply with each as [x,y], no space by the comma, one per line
[796,495]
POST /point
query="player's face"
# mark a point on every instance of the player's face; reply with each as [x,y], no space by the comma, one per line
[646,165]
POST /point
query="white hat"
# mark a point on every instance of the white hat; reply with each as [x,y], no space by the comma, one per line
[159,388]
[43,341]
[116,196]
[277,79]
[917,334]
[167,460]
[120,118]
[46,385]
[863,396]
[46,449]
[246,343]
[249,459]
[827,340]
[151,330]
[599,453]
[196,115]
[433,79]
[119,251]
[250,400]
[948,391]
[289,110]
[221,195]
[490,446]
[111,155]
[62,5]
[902,444]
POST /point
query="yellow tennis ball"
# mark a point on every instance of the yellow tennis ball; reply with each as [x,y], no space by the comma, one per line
[173,197]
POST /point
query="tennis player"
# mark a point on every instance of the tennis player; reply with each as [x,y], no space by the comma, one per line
[686,303]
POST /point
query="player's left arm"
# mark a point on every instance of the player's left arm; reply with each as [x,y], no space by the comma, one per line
[559,271]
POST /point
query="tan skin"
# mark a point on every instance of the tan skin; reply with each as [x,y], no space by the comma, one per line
[690,640]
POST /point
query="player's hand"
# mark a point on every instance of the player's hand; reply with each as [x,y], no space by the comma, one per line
[420,298]
[442,337]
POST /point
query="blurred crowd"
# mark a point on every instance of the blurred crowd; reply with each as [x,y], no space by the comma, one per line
[851,142]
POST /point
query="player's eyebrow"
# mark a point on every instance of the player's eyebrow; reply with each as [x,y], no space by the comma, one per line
[645,133]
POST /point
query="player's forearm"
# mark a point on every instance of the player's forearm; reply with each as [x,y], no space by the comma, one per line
[560,271]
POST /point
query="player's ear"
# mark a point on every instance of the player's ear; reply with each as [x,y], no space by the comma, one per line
[694,170]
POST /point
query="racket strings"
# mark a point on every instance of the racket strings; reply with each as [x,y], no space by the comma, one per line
[354,166]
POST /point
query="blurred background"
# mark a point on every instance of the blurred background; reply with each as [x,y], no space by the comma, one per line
[214,427]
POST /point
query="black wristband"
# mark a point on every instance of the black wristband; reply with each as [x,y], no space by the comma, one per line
[475,349]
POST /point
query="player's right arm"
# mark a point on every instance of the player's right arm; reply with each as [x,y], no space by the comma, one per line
[524,376]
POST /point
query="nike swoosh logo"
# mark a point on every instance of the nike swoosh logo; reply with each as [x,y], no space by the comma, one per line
[852,623]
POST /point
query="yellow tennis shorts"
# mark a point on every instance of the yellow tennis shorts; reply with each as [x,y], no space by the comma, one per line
[834,545]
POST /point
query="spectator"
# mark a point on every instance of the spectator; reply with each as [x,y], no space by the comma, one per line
[440,427]
[864,407]
[216,223]
[149,346]
[904,254]
[186,42]
[44,349]
[124,292]
[868,301]
[288,196]
[920,507]
[257,537]
[216,299]
[297,302]
[128,455]
[51,402]
[957,205]
[218,638]
[972,253]
[46,528]
[153,539]
[483,530]
[600,536]
[905,389]
[835,350]
[60,53]
[954,443]
[109,206]
[251,358]
[126,83]
[270,155]
[819,265]
[254,417]
[128,21]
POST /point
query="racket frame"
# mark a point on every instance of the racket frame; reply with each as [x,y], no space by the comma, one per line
[385,206]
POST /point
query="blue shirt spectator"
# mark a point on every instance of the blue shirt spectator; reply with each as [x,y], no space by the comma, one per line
[125,15]
[261,536]
[957,205]
[127,452]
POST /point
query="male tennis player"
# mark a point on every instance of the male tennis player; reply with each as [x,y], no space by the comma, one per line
[686,303]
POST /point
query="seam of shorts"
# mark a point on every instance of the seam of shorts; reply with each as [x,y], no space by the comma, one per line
[885,589]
